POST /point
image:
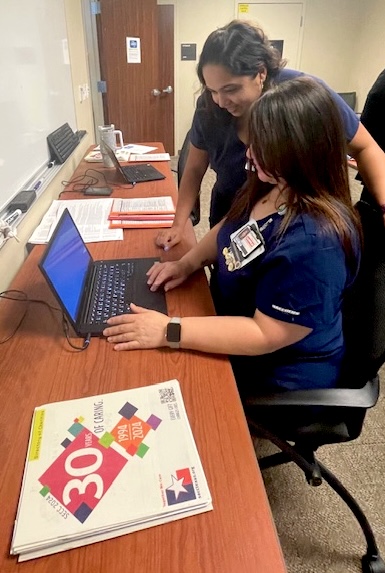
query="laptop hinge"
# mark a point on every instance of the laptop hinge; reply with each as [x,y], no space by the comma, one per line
[88,293]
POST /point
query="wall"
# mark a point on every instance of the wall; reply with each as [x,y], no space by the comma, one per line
[342,44]
[13,254]
[329,41]
[369,53]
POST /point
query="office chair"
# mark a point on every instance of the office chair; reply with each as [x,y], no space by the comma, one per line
[349,98]
[319,417]
[195,215]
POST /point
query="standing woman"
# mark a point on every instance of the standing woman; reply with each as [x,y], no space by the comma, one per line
[285,254]
[236,66]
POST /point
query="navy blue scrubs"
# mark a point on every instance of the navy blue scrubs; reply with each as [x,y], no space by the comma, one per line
[227,153]
[300,278]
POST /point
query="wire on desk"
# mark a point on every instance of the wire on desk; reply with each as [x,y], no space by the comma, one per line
[86,180]
[20,296]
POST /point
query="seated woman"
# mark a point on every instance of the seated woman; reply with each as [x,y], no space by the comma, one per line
[286,252]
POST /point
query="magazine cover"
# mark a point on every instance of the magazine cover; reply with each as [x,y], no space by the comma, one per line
[102,466]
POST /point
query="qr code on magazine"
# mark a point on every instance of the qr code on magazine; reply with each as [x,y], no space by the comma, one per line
[167,395]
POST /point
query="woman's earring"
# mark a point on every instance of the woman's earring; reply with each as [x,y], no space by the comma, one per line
[261,82]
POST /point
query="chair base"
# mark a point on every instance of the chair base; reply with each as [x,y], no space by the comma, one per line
[372,564]
[315,471]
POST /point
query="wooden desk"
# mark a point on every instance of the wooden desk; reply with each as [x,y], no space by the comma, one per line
[38,366]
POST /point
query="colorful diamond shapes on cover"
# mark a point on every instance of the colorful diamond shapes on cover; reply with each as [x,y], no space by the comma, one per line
[128,410]
[44,491]
[82,512]
[130,433]
[107,439]
[65,443]
[142,450]
[154,421]
[75,429]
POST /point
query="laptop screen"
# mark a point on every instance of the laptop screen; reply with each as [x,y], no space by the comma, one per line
[65,264]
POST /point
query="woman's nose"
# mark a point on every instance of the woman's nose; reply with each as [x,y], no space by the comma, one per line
[222,100]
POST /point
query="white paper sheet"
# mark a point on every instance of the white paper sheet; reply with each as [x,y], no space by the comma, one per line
[90,216]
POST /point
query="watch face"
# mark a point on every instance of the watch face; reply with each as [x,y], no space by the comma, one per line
[173,332]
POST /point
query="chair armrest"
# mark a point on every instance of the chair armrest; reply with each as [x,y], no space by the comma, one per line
[365,397]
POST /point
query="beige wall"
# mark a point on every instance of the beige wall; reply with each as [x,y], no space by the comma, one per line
[369,48]
[13,254]
[342,44]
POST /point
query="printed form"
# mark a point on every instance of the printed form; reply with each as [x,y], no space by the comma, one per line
[90,216]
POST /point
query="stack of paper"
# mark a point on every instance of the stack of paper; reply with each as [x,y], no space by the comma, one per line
[147,212]
[105,466]
[90,216]
[122,153]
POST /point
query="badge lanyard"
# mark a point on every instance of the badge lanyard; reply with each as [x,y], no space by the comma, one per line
[246,244]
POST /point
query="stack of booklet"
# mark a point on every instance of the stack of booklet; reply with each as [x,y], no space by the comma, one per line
[146,212]
[105,466]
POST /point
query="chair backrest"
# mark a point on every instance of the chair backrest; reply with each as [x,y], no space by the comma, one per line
[196,212]
[364,310]
[349,98]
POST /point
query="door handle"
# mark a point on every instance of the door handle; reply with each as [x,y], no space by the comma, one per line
[168,90]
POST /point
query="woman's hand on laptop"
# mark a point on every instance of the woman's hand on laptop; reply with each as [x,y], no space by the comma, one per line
[142,328]
[170,275]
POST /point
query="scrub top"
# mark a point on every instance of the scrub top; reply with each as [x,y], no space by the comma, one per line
[300,278]
[227,153]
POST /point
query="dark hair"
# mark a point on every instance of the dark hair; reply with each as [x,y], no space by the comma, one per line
[296,133]
[243,49]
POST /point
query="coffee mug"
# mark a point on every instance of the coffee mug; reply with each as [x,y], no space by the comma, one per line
[108,134]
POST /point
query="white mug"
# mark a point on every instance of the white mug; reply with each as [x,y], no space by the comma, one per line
[108,134]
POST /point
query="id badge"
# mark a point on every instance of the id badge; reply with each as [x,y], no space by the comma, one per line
[246,244]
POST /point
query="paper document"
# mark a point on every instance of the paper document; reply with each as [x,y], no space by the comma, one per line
[103,466]
[90,216]
[95,155]
[142,205]
[150,157]
[142,213]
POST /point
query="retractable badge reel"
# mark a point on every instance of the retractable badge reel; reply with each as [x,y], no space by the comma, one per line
[246,244]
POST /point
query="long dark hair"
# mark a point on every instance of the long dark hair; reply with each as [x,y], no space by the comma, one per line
[296,133]
[243,49]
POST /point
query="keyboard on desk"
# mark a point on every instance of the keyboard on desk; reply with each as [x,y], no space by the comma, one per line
[109,291]
[141,172]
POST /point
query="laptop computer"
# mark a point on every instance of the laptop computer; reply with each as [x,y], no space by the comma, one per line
[134,173]
[88,291]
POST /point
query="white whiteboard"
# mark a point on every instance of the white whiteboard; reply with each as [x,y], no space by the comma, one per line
[36,95]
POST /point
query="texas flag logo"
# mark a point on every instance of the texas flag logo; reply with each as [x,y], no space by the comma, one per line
[181,489]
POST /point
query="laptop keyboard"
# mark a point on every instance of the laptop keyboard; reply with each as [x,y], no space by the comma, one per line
[139,173]
[109,291]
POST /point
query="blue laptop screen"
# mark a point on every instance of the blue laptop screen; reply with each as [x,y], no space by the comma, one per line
[66,264]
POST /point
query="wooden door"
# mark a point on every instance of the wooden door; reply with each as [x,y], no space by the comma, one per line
[129,102]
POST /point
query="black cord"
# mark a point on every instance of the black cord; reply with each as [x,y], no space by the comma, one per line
[81,183]
[20,296]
